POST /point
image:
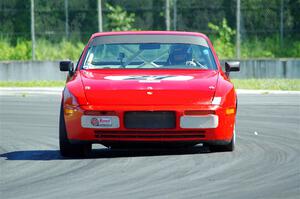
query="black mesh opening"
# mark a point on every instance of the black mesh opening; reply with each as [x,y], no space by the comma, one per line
[150,120]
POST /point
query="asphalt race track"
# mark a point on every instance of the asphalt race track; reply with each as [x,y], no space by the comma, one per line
[266,163]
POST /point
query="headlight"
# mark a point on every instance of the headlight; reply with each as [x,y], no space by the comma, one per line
[216,101]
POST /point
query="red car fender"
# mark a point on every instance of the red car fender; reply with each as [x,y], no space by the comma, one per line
[75,87]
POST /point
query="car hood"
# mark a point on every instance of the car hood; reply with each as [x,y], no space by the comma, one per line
[149,87]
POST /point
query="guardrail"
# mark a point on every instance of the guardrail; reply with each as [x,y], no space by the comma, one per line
[267,68]
[49,70]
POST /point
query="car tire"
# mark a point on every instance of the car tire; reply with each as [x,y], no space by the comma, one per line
[66,148]
[223,148]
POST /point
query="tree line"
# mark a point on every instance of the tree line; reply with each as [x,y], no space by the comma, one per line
[258,17]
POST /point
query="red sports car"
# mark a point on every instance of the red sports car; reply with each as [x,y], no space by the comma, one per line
[147,87]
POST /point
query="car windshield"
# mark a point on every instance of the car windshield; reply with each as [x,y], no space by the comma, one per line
[149,55]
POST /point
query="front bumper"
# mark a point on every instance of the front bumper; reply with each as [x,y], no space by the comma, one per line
[208,128]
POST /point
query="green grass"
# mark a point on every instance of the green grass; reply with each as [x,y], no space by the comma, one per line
[257,84]
[45,50]
[32,84]
[268,84]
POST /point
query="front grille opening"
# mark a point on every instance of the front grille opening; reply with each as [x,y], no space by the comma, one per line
[150,119]
[149,135]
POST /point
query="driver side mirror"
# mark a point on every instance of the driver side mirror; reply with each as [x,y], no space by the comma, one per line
[67,66]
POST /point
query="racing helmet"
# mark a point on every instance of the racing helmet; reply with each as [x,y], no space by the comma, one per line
[179,54]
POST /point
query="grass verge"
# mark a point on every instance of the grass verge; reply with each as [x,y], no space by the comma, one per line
[32,84]
[256,84]
[268,84]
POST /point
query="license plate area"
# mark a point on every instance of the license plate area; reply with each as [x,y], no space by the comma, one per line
[150,119]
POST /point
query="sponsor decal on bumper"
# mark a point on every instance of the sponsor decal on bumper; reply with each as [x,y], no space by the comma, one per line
[100,122]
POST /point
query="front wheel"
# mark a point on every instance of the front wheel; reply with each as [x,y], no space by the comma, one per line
[66,148]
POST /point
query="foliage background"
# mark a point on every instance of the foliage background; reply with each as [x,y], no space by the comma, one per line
[260,25]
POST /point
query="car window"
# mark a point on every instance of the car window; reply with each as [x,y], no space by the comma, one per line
[149,55]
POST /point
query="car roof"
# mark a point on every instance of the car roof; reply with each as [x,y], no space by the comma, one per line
[98,34]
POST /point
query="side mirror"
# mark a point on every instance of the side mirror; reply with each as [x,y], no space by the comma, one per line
[233,66]
[67,66]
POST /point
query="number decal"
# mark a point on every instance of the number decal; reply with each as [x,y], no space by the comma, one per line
[146,78]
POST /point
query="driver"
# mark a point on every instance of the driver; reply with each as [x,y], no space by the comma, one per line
[180,54]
